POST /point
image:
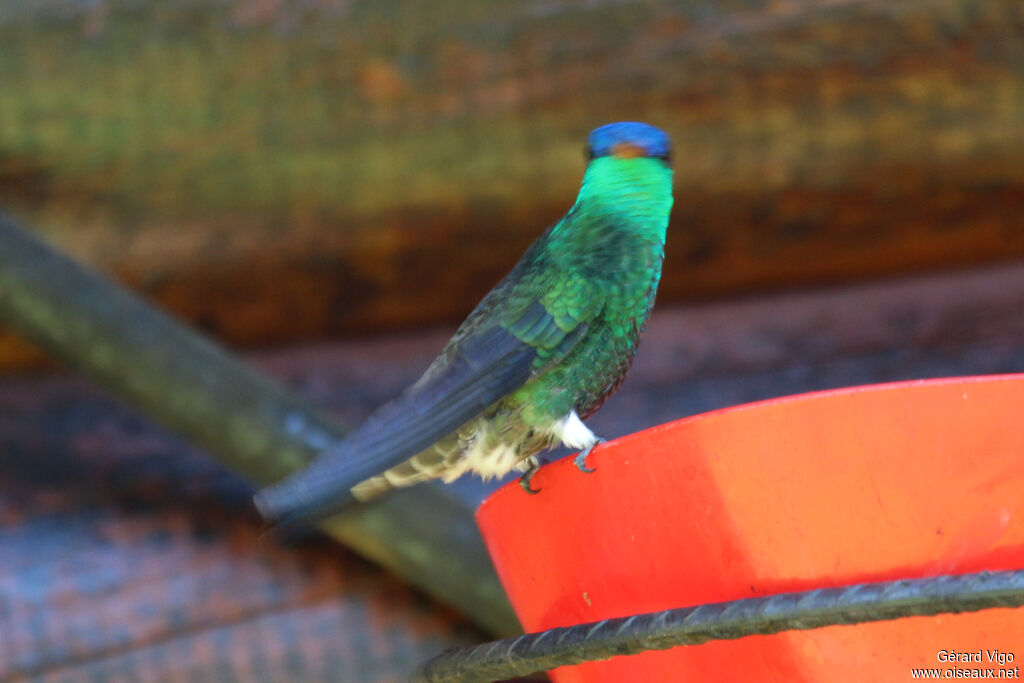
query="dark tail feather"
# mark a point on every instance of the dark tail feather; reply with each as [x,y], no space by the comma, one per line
[294,516]
[306,496]
[486,367]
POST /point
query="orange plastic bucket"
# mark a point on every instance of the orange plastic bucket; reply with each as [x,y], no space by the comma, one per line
[872,483]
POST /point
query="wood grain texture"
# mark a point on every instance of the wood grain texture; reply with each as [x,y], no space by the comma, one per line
[277,171]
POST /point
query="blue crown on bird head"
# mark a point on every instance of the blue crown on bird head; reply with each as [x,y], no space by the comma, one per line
[627,139]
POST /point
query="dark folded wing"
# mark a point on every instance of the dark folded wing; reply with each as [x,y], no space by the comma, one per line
[484,366]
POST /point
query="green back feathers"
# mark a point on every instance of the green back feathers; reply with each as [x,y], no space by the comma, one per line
[613,239]
[633,195]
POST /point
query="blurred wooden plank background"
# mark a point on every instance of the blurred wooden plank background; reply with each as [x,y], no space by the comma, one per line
[276,170]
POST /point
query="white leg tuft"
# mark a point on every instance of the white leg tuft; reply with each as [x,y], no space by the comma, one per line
[571,431]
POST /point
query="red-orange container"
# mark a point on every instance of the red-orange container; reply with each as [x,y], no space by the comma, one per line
[872,483]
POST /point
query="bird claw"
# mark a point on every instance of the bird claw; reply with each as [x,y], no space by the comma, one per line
[524,481]
[580,461]
[581,458]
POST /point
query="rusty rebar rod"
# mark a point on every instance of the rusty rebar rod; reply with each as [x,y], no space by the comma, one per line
[725,621]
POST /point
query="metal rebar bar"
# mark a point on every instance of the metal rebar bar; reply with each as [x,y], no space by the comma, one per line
[723,621]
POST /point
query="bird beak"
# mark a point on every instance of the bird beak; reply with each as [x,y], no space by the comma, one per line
[627,150]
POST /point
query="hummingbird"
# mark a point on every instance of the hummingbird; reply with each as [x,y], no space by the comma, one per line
[541,352]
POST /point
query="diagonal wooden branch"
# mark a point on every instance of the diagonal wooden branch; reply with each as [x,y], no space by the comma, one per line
[249,423]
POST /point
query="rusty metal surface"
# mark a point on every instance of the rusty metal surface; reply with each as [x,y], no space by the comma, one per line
[125,555]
